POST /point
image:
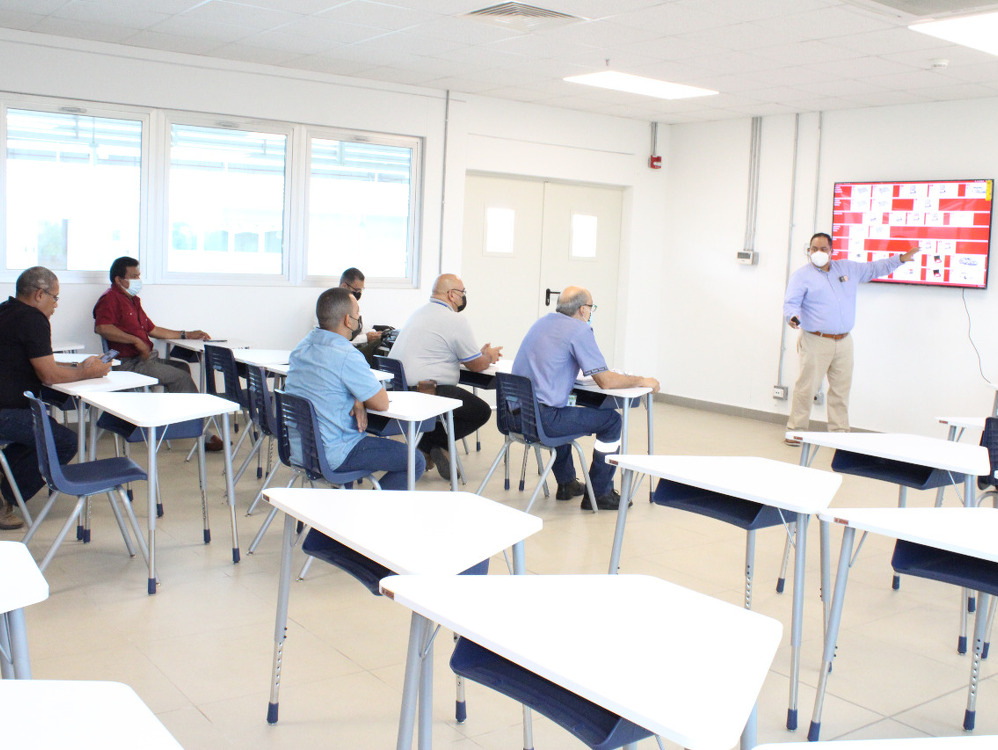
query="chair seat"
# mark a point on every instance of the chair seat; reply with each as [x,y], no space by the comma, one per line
[744,514]
[594,725]
[896,472]
[190,428]
[101,475]
[948,567]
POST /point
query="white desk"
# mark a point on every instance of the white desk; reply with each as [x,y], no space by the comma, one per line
[701,698]
[412,408]
[75,358]
[46,714]
[798,490]
[970,532]
[408,532]
[197,347]
[617,398]
[151,410]
[22,585]
[67,346]
[957,426]
[964,742]
[282,370]
[261,357]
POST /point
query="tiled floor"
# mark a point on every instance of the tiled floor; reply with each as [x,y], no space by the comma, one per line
[199,652]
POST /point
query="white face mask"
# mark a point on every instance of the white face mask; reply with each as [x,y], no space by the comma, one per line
[819,258]
[134,286]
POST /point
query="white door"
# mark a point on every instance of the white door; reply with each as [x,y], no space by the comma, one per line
[523,237]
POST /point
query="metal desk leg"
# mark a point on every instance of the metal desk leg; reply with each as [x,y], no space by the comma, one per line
[967,602]
[6,665]
[419,628]
[832,631]
[281,621]
[410,468]
[651,438]
[151,483]
[624,422]
[230,489]
[951,436]
[519,569]
[424,730]
[17,644]
[975,668]
[453,451]
[618,535]
[825,548]
[82,527]
[797,621]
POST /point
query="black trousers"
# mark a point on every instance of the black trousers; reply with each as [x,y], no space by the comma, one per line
[468,417]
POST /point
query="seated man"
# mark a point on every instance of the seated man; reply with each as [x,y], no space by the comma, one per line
[554,350]
[26,362]
[432,345]
[327,370]
[353,281]
[121,321]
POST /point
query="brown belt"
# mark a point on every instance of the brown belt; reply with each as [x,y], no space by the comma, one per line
[835,336]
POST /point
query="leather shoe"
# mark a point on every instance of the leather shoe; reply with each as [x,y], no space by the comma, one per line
[9,519]
[604,502]
[792,442]
[213,444]
[428,458]
[442,461]
[568,490]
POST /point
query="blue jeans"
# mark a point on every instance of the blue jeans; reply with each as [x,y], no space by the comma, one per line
[573,420]
[382,454]
[17,428]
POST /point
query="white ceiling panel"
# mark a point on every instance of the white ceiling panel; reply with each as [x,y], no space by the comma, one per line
[763,56]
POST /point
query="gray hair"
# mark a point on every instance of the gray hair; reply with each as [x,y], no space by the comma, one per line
[331,306]
[36,277]
[571,305]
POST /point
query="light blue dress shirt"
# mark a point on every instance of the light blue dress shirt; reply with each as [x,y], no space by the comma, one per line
[330,372]
[554,350]
[825,301]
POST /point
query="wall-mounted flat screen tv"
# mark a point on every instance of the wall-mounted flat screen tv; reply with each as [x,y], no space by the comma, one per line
[949,219]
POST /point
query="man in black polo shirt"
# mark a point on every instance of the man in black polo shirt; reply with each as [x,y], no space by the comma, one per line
[26,362]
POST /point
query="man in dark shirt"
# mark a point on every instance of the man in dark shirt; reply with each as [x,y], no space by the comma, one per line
[120,320]
[26,362]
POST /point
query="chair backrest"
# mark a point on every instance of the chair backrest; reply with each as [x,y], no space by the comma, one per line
[48,459]
[989,439]
[220,359]
[298,435]
[260,401]
[516,407]
[394,366]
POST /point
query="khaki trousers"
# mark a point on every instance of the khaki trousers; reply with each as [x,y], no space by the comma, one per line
[820,357]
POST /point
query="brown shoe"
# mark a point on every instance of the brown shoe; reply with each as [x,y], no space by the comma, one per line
[213,444]
[9,519]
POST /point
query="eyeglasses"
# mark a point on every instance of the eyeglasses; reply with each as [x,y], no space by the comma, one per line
[592,306]
[814,249]
[459,291]
[53,296]
[354,289]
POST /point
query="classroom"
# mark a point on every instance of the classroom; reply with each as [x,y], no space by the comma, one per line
[847,94]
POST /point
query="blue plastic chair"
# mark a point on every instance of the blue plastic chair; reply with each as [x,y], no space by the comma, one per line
[82,480]
[393,366]
[261,409]
[220,359]
[518,419]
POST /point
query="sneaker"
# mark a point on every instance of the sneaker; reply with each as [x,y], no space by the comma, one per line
[605,502]
[9,519]
[792,442]
[442,461]
[567,491]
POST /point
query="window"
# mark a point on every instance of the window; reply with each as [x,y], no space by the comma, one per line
[361,199]
[73,190]
[227,190]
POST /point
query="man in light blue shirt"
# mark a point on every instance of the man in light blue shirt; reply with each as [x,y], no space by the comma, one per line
[330,372]
[821,303]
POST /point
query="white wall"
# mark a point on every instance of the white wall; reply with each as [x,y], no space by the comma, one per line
[913,358]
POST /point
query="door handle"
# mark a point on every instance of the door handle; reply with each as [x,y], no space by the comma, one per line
[547,296]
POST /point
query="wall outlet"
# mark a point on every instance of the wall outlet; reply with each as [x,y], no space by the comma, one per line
[819,398]
[780,392]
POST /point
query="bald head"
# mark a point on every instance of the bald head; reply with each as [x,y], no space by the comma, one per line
[449,289]
[572,299]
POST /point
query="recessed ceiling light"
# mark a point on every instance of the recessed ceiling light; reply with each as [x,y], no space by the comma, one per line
[632,84]
[977,32]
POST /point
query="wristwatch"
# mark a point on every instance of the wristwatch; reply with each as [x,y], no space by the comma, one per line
[183,334]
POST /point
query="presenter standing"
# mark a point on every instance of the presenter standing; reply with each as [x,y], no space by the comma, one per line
[821,303]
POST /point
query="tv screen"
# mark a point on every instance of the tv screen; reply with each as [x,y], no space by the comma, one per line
[949,219]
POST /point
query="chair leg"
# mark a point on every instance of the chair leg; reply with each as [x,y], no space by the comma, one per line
[139,536]
[495,464]
[62,535]
[121,523]
[40,517]
[203,479]
[255,450]
[523,468]
[782,580]
[544,474]
[263,530]
[15,489]
[585,472]
[266,484]
[540,466]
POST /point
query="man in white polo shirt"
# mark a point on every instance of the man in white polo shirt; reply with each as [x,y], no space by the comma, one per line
[432,345]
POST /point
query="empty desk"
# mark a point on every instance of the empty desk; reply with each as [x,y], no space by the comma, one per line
[22,585]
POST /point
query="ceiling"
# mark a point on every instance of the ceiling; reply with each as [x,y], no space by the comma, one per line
[764,56]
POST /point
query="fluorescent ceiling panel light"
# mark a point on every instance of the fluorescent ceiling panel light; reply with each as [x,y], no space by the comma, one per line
[631,84]
[977,32]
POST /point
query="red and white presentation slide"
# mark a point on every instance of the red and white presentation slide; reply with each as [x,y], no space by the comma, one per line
[950,220]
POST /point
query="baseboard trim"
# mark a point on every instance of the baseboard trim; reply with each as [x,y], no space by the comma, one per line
[731,411]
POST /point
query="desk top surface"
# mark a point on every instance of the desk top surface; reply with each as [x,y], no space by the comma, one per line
[262,357]
[761,480]
[616,392]
[656,676]
[74,358]
[413,406]
[45,714]
[23,584]
[963,742]
[157,409]
[197,345]
[116,380]
[67,346]
[410,532]
[936,453]
[966,531]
